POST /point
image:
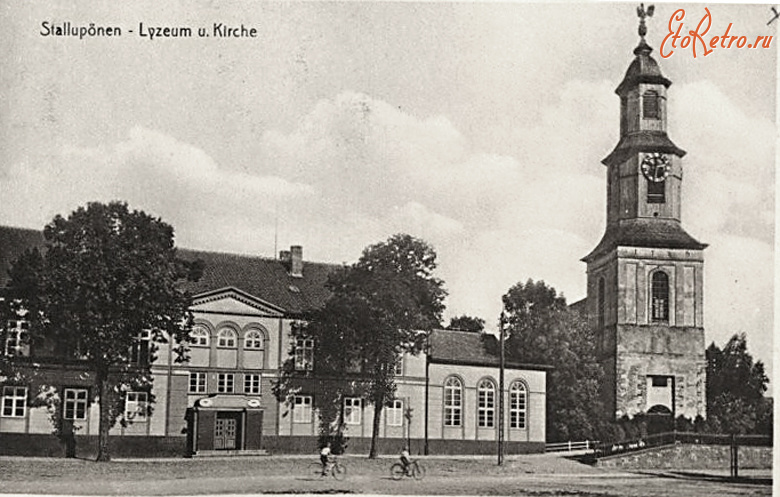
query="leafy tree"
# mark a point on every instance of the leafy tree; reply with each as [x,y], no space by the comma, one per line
[467,323]
[380,308]
[107,274]
[542,329]
[735,389]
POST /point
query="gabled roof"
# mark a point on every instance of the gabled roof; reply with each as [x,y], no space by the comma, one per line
[264,278]
[469,349]
[645,232]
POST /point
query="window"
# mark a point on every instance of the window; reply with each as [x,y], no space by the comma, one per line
[197,382]
[140,353]
[252,383]
[602,304]
[200,337]
[136,406]
[14,402]
[453,402]
[253,340]
[398,367]
[656,192]
[225,383]
[486,404]
[16,338]
[75,405]
[650,108]
[302,409]
[660,296]
[660,381]
[517,405]
[352,411]
[395,413]
[304,354]
[226,338]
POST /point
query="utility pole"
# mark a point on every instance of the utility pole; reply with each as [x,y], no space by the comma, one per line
[501,392]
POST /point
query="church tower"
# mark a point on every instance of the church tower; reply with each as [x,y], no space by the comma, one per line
[645,277]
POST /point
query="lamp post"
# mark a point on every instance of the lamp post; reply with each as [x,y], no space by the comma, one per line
[501,391]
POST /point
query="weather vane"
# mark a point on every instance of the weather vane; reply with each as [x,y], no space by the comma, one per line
[642,14]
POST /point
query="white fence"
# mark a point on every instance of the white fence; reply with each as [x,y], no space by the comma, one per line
[587,445]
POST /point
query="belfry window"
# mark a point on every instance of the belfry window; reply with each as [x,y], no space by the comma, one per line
[656,192]
[659,297]
[650,107]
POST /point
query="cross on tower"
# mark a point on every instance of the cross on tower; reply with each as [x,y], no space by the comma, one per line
[642,14]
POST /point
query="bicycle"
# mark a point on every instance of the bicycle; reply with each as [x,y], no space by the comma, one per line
[334,468]
[413,470]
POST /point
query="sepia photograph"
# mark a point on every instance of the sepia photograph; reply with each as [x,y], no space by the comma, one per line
[387,248]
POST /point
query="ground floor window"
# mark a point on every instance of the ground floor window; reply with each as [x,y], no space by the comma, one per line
[252,384]
[352,410]
[197,382]
[14,402]
[517,405]
[136,406]
[302,409]
[226,383]
[75,404]
[453,401]
[395,413]
[486,402]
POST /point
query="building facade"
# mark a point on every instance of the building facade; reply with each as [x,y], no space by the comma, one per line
[645,277]
[220,400]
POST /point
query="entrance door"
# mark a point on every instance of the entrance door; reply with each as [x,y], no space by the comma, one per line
[225,432]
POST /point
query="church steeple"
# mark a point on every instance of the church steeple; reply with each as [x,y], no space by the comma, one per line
[645,277]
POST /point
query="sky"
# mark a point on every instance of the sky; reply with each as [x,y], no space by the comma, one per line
[478,127]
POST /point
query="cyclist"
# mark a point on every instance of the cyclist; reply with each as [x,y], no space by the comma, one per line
[406,460]
[325,458]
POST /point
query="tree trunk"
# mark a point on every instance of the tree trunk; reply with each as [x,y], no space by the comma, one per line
[103,454]
[379,403]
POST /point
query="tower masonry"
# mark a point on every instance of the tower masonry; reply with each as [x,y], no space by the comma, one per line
[645,277]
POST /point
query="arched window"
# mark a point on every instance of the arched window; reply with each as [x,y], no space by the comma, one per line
[226,338]
[200,336]
[453,402]
[650,107]
[517,405]
[659,300]
[253,340]
[602,304]
[486,404]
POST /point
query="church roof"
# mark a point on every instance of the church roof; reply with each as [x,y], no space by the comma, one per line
[470,349]
[262,277]
[645,232]
[643,69]
[642,141]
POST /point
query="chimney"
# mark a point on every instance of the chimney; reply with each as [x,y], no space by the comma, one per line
[296,261]
[285,257]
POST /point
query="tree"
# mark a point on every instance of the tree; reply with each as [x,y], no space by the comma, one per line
[467,323]
[543,330]
[381,307]
[106,292]
[735,389]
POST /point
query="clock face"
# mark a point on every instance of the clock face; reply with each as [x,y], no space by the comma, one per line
[655,167]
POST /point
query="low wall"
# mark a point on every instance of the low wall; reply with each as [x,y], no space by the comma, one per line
[46,445]
[362,445]
[690,456]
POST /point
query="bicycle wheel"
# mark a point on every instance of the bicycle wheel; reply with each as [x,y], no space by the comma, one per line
[397,471]
[339,471]
[418,471]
